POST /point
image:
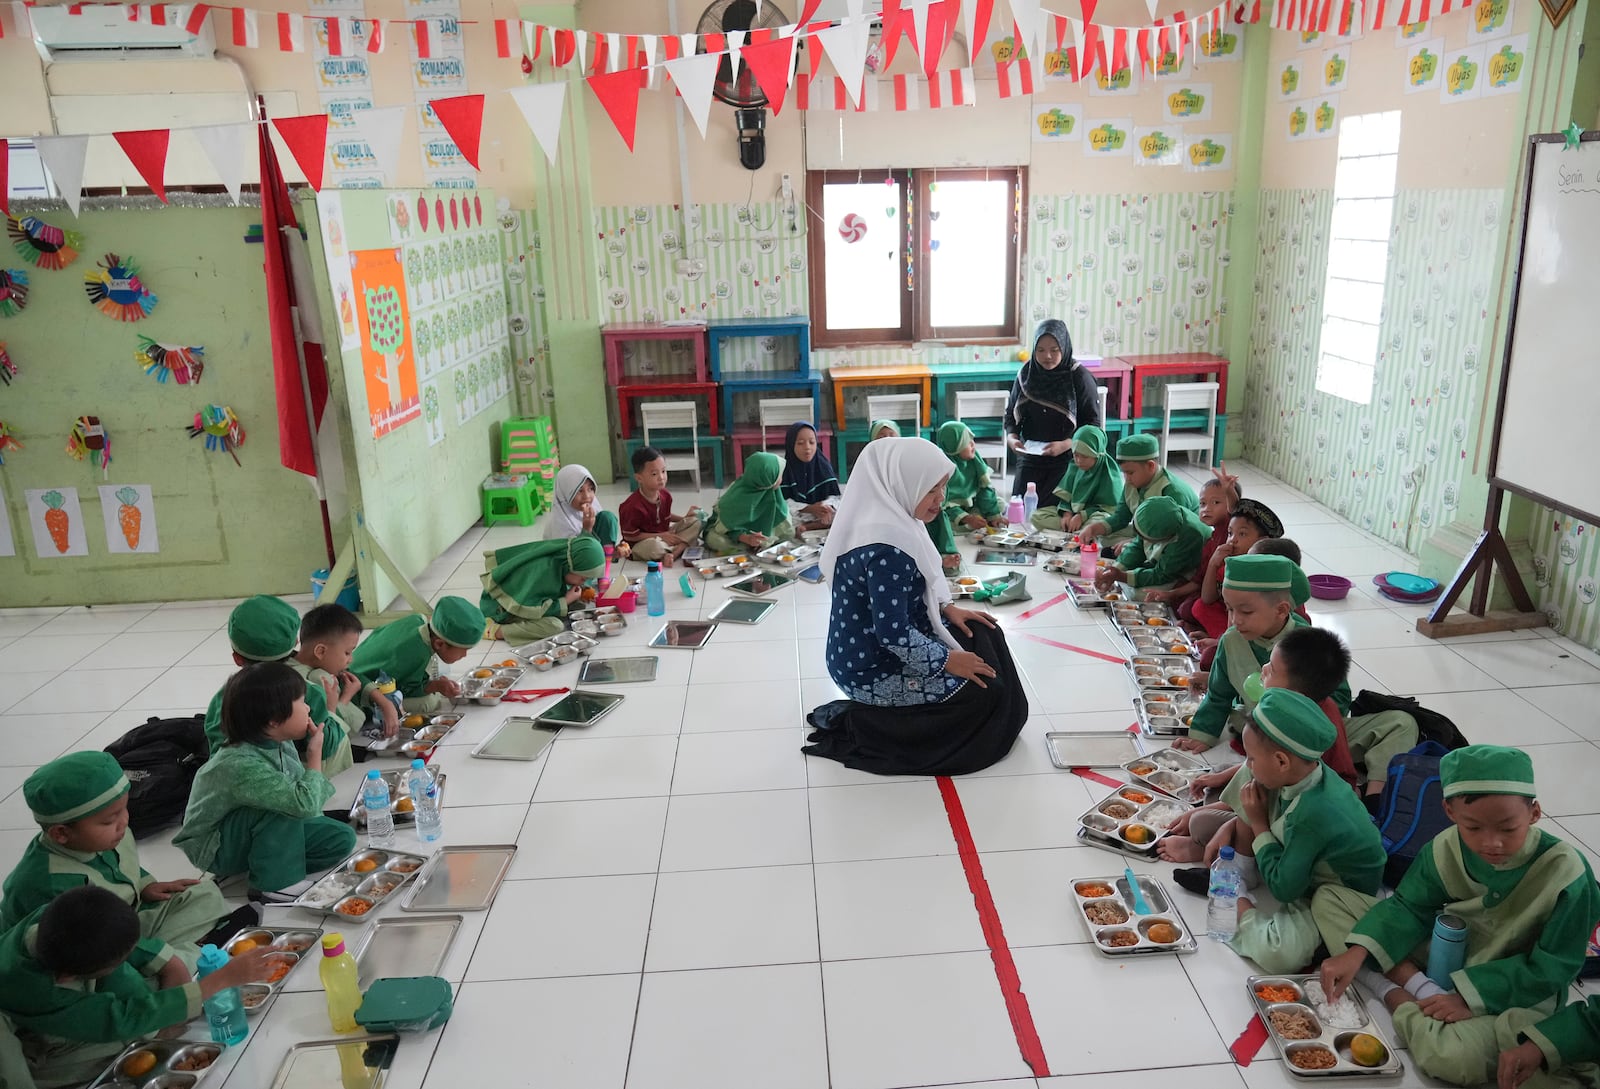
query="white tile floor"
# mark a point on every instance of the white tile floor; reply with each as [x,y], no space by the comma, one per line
[696,903]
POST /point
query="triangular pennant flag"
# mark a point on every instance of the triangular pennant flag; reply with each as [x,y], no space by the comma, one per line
[735,39]
[532,40]
[846,46]
[1150,6]
[5,175]
[306,137]
[1026,15]
[618,92]
[853,8]
[225,148]
[770,63]
[919,27]
[63,157]
[808,9]
[647,42]
[542,105]
[695,76]
[381,128]
[462,118]
[580,40]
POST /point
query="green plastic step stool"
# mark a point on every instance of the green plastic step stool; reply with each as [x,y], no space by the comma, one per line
[516,499]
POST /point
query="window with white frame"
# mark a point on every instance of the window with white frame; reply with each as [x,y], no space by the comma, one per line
[1358,254]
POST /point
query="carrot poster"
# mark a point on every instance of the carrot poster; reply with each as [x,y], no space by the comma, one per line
[57,522]
[387,360]
[129,511]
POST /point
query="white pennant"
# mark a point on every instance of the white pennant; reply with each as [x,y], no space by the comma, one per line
[648,42]
[689,44]
[542,105]
[969,26]
[63,157]
[224,146]
[846,49]
[1077,42]
[614,56]
[919,23]
[1026,15]
[1150,6]
[854,8]
[381,128]
[580,39]
[735,42]
[530,37]
[695,76]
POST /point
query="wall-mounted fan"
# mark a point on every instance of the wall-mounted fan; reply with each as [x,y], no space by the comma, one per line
[742,92]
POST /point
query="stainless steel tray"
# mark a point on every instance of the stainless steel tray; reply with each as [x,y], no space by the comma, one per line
[1161,911]
[166,1053]
[1092,749]
[400,948]
[1100,824]
[517,738]
[1171,771]
[1336,1040]
[396,781]
[502,679]
[350,880]
[461,878]
[1085,596]
[299,942]
[351,1062]
[1164,713]
[742,610]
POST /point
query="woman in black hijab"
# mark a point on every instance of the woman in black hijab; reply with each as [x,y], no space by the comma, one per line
[1051,398]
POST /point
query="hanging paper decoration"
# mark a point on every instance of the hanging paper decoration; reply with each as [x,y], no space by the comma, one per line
[13,292]
[220,427]
[43,244]
[89,437]
[852,228]
[8,442]
[8,369]
[162,361]
[115,289]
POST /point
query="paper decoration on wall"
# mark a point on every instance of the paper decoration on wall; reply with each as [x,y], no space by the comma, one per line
[1506,66]
[1290,82]
[1192,103]
[163,361]
[433,413]
[1423,66]
[8,443]
[1160,145]
[388,363]
[8,369]
[1463,74]
[852,228]
[129,511]
[115,289]
[1206,153]
[1109,138]
[57,522]
[1335,69]
[1057,123]
[43,244]
[13,292]
[330,210]
[221,428]
[1491,19]
[89,438]
[1314,119]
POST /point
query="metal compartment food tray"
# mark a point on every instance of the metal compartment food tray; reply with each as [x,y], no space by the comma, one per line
[1174,771]
[396,780]
[299,942]
[519,737]
[1085,596]
[167,1053]
[461,878]
[1331,1039]
[1156,899]
[401,947]
[1113,829]
[1165,713]
[349,882]
[1091,749]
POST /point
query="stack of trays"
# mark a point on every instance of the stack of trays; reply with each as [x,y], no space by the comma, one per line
[399,800]
[360,883]
[1170,771]
[546,654]
[789,554]
[1003,537]
[1066,564]
[1319,1039]
[1131,820]
[290,946]
[1048,540]
[160,1064]
[1106,908]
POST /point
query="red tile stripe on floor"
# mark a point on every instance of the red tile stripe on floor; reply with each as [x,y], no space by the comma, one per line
[1250,1041]
[1077,650]
[1095,776]
[1005,969]
[1037,609]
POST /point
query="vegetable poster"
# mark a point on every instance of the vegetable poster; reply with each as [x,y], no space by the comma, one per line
[57,522]
[387,360]
[130,515]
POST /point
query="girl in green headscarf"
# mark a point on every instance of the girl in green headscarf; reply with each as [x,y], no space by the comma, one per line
[1170,538]
[1091,486]
[969,498]
[529,587]
[883,429]
[752,512]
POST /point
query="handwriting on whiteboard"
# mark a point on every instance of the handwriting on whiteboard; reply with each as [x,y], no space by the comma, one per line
[1572,180]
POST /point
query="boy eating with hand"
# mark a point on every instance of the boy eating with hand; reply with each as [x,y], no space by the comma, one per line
[649,527]
[1529,903]
[328,637]
[403,649]
[1138,456]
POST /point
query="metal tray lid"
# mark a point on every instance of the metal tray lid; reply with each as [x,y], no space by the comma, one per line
[462,878]
[354,1062]
[1092,749]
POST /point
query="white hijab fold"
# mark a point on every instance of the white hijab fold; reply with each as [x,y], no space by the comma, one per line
[563,520]
[887,482]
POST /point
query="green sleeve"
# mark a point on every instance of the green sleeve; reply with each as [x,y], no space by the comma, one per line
[987,501]
[150,955]
[1120,518]
[1392,928]
[299,793]
[1212,716]
[1183,493]
[214,733]
[1571,1036]
[125,1008]
[1287,865]
[1341,698]
[1176,563]
[1131,558]
[943,537]
[1547,969]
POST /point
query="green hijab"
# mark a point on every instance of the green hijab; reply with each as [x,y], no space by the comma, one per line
[969,476]
[1161,520]
[530,575]
[1098,488]
[754,503]
[873,428]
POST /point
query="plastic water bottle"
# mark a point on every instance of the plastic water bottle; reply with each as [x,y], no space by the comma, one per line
[342,983]
[424,802]
[380,816]
[225,1009]
[1222,908]
[655,590]
[1014,511]
[1030,502]
[1088,559]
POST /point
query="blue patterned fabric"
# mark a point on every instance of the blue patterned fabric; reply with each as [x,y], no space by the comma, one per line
[881,646]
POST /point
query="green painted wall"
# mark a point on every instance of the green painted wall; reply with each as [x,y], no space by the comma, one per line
[225,530]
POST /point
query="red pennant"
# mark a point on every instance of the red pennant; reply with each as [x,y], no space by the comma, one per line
[307,140]
[769,62]
[197,18]
[5,177]
[424,44]
[147,151]
[462,118]
[618,92]
[895,23]
[502,38]
[565,49]
[808,9]
[599,54]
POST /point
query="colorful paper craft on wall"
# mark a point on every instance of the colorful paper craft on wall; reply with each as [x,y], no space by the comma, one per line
[8,443]
[57,522]
[43,244]
[387,361]
[13,292]
[220,427]
[90,439]
[115,290]
[8,369]
[129,511]
[176,361]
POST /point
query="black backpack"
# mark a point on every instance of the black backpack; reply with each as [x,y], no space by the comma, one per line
[1411,808]
[1431,725]
[160,760]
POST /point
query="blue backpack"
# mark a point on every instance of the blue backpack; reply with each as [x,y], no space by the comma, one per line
[1411,808]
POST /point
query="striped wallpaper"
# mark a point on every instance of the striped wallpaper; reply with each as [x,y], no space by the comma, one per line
[530,349]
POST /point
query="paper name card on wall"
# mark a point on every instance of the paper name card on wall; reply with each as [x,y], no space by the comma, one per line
[1058,123]
[1158,145]
[1290,81]
[1506,66]
[1226,46]
[1110,137]
[1309,39]
[129,511]
[1335,68]
[1205,153]
[1192,102]
[1463,74]
[1424,64]
[1316,118]
[1124,81]
[1491,19]
[57,521]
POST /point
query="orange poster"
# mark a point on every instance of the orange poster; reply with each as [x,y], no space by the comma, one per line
[386,358]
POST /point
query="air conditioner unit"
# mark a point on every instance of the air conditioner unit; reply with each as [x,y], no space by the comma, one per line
[104,32]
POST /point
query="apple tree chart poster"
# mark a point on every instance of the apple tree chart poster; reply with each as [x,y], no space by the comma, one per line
[388,363]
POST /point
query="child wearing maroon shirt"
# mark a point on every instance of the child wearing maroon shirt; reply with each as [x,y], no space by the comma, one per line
[648,524]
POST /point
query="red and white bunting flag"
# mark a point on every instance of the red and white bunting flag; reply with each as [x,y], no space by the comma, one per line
[147,151]
[770,63]
[375,39]
[542,105]
[846,46]
[801,88]
[291,33]
[1016,78]
[648,44]
[580,42]
[423,32]
[671,46]
[695,77]
[246,32]
[952,87]
[196,20]
[151,14]
[907,95]
[563,46]
[63,158]
[340,36]
[502,38]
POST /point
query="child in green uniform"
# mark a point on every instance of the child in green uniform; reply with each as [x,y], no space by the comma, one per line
[264,629]
[882,429]
[1529,903]
[1090,490]
[1138,456]
[1166,546]
[254,808]
[81,984]
[970,501]
[752,512]
[403,650]
[530,587]
[328,637]
[1565,1039]
[81,803]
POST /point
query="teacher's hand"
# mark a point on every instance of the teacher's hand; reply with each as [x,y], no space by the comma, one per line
[1056,449]
[1015,442]
[968,666]
[959,618]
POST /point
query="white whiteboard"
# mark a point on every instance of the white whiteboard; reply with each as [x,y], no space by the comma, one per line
[1551,405]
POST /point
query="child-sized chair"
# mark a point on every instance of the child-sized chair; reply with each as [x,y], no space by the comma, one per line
[1179,397]
[982,406]
[904,409]
[681,420]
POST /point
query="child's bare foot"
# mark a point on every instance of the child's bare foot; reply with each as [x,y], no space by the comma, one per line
[1180,849]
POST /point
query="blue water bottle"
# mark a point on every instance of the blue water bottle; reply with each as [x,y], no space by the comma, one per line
[225,1009]
[1447,953]
[655,590]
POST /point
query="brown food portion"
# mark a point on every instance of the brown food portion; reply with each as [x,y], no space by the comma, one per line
[1105,914]
[1164,933]
[198,1061]
[1121,939]
[1313,1058]
[1293,1025]
[404,866]
[1118,811]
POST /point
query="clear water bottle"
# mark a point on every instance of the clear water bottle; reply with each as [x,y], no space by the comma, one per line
[424,802]
[1222,908]
[380,815]
[225,1009]
[1030,501]
[655,590]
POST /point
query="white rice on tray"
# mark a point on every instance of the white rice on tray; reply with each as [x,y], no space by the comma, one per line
[1343,1014]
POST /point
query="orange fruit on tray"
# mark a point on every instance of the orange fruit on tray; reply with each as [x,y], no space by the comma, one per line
[413,721]
[240,948]
[138,1064]
[588,593]
[365,865]
[404,805]
[1367,1050]
[510,663]
[481,673]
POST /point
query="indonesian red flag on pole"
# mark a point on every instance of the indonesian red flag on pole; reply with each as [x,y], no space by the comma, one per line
[291,33]
[951,87]
[246,32]
[1016,78]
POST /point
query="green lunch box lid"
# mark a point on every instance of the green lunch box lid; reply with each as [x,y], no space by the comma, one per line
[405,1005]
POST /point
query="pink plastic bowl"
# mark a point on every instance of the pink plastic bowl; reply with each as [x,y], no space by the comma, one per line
[1329,587]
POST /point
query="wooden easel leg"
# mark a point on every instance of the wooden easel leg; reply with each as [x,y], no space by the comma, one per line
[362,542]
[1489,552]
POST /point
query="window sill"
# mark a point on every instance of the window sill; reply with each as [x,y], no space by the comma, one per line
[920,345]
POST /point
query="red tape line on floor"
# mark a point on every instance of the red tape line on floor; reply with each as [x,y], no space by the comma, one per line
[1103,780]
[1005,969]
[1250,1041]
[1037,609]
[1076,650]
